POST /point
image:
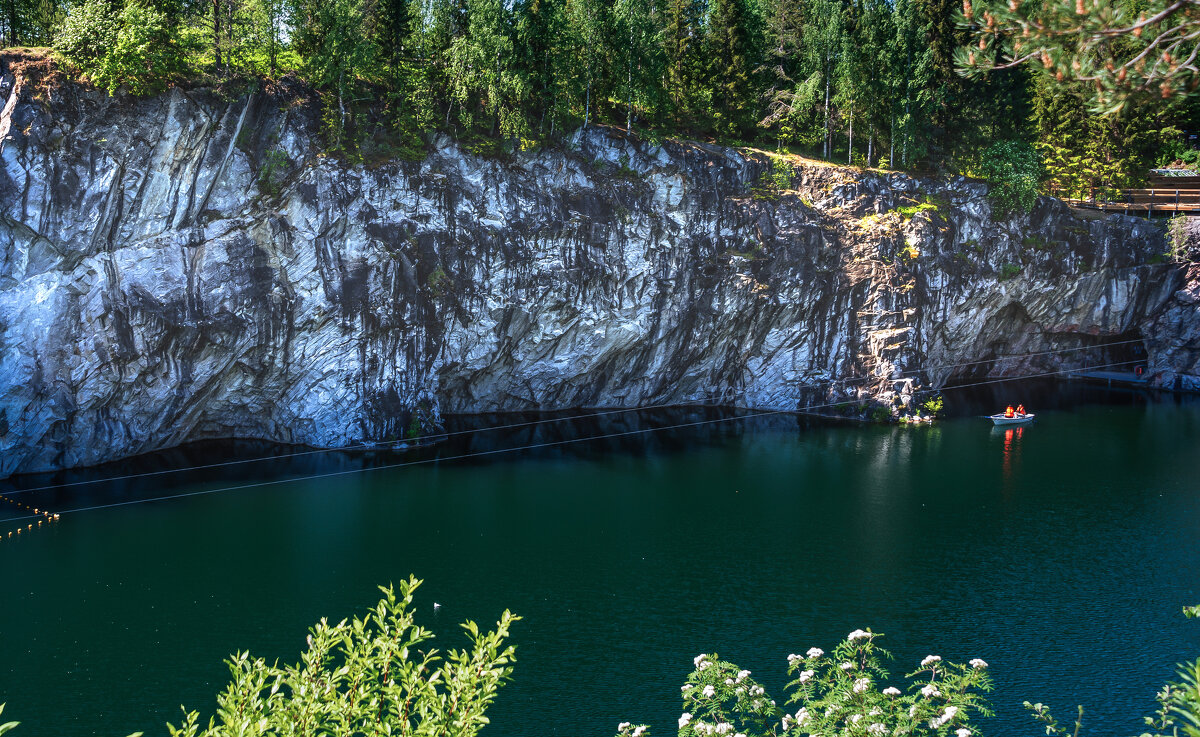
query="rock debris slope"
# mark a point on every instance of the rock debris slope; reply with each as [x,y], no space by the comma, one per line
[190,266]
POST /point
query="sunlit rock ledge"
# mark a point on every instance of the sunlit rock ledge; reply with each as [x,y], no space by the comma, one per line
[190,266]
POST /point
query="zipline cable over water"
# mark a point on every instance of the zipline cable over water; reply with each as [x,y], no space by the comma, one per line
[535,446]
[388,445]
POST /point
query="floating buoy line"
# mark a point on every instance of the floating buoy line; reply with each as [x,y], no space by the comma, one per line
[498,451]
[41,515]
[438,437]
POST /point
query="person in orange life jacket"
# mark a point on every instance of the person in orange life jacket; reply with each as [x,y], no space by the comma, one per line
[1020,409]
[1008,412]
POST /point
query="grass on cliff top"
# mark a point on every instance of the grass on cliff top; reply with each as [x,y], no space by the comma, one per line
[797,159]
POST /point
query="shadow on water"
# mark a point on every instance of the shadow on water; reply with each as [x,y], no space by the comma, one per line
[475,440]
[469,440]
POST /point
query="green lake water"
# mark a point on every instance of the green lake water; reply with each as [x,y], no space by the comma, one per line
[1060,554]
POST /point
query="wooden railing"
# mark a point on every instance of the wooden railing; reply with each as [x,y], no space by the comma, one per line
[1138,201]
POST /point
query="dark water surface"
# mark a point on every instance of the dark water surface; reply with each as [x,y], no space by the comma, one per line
[1060,555]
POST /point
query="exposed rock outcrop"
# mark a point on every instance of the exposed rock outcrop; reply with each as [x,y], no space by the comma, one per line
[190,266]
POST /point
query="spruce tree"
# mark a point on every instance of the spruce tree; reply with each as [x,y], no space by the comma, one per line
[733,51]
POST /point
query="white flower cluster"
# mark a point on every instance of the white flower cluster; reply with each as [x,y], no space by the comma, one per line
[802,716]
[637,731]
[845,666]
[708,691]
[978,663]
[757,691]
[805,675]
[877,729]
[815,652]
[721,728]
[858,635]
[855,718]
[861,685]
[684,718]
[686,687]
[793,658]
[701,661]
[743,675]
[891,691]
[962,732]
[947,715]
[930,691]
[930,660]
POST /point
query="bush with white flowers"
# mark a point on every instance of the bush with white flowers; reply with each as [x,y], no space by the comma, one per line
[845,692]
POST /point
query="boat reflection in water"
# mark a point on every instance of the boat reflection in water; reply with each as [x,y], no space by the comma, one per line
[1012,449]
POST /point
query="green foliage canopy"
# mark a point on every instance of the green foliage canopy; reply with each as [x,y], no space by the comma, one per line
[1014,169]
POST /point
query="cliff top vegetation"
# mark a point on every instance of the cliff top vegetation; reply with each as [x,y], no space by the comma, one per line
[877,83]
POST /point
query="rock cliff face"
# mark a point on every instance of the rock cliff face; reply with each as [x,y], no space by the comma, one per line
[189,266]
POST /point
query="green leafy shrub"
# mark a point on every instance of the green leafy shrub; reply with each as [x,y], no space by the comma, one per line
[847,692]
[909,210]
[1008,271]
[1014,169]
[1037,242]
[933,406]
[369,675]
[781,174]
[88,33]
[274,168]
[1177,237]
[135,49]
[438,280]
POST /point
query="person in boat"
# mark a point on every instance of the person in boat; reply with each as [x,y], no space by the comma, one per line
[1021,410]
[1008,411]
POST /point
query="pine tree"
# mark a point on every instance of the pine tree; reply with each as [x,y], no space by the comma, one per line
[683,27]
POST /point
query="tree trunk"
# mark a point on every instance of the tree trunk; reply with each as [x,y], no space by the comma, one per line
[870,147]
[850,146]
[341,107]
[12,38]
[828,148]
[228,5]
[216,4]
[629,89]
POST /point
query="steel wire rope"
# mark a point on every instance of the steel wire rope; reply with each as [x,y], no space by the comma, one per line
[438,437]
[548,444]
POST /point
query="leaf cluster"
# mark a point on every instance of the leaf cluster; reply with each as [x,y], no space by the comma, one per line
[846,692]
[370,675]
[132,48]
[1014,169]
